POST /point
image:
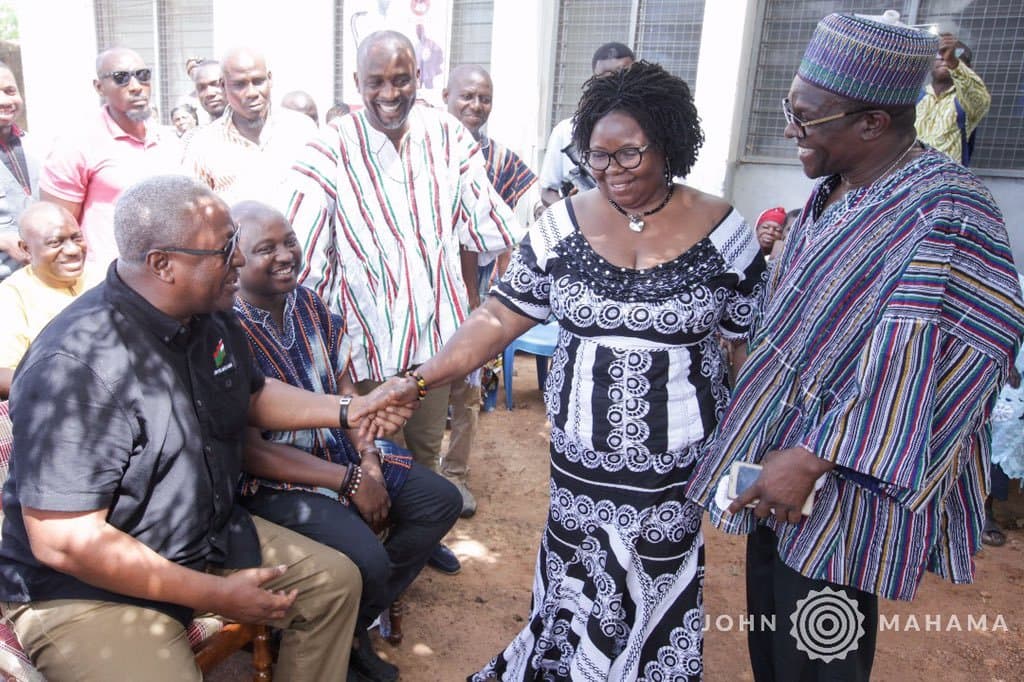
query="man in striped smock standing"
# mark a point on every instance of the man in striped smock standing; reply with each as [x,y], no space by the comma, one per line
[469,96]
[890,322]
[382,204]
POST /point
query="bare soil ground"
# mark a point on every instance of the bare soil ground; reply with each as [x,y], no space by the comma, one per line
[455,624]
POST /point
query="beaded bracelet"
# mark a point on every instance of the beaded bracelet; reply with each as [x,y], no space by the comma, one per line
[345,481]
[421,384]
[357,479]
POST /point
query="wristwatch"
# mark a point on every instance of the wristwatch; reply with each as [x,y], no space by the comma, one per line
[343,403]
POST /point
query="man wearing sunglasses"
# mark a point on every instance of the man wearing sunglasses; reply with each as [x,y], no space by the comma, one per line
[118,146]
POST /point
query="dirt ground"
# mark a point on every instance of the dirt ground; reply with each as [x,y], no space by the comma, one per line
[455,624]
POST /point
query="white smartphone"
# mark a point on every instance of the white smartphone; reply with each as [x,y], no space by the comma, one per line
[742,475]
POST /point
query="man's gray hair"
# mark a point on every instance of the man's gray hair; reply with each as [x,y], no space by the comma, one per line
[159,211]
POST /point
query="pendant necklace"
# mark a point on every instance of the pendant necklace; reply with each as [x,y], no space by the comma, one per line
[636,220]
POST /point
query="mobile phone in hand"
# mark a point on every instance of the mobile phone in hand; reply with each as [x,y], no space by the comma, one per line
[742,475]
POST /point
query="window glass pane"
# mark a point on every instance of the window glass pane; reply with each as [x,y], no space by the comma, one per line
[664,31]
[785,31]
[165,34]
[471,33]
[994,30]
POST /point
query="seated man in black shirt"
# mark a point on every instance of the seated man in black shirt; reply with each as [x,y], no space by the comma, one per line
[129,413]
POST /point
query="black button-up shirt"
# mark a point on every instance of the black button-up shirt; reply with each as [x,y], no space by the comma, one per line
[118,406]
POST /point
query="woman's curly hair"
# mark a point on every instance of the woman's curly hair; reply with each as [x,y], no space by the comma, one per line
[660,102]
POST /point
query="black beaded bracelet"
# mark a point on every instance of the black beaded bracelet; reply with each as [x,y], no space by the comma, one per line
[357,479]
[345,480]
[343,404]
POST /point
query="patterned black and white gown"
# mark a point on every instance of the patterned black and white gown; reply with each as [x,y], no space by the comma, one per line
[636,383]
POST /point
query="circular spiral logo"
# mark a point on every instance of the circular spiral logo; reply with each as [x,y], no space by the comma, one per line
[827,625]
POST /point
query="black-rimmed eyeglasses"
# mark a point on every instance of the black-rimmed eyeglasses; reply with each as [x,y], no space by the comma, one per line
[225,253]
[628,158]
[123,78]
[802,126]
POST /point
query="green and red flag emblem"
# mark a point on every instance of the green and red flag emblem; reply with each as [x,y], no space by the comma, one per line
[219,354]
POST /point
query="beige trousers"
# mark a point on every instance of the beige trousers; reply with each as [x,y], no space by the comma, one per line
[465,403]
[104,641]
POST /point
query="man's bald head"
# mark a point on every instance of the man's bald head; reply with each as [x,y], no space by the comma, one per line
[391,41]
[302,102]
[468,96]
[273,257]
[39,215]
[247,82]
[54,243]
[387,78]
[464,71]
[252,219]
[113,56]
[242,58]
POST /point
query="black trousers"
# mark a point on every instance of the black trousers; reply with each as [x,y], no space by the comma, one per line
[425,510]
[773,589]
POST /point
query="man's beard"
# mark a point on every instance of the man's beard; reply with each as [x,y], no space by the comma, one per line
[139,116]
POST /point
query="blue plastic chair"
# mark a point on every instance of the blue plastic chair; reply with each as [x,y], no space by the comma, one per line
[540,341]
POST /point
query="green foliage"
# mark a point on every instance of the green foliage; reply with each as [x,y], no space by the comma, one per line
[8,21]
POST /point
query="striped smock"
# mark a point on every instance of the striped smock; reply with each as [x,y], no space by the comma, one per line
[888,328]
[381,230]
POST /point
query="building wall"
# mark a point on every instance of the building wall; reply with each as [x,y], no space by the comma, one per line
[58,58]
[522,51]
[522,65]
[308,65]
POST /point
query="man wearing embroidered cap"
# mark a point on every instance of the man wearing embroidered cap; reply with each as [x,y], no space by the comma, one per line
[889,324]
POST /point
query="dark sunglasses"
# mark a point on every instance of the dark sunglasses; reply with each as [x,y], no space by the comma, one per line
[225,253]
[123,78]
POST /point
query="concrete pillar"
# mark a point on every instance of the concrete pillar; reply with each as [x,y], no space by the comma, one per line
[522,59]
[722,87]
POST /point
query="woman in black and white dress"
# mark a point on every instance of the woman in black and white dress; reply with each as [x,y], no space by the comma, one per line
[645,278]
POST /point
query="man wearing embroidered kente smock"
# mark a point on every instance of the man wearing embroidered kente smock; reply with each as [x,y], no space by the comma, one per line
[381,203]
[889,324]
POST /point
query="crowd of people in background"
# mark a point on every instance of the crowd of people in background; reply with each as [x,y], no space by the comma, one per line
[231,347]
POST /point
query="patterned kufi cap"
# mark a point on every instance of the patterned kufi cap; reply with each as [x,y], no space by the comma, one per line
[868,61]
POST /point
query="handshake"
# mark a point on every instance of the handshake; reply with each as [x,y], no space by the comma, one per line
[385,409]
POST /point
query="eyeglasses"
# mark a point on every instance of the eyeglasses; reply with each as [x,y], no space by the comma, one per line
[628,158]
[802,126]
[123,78]
[226,253]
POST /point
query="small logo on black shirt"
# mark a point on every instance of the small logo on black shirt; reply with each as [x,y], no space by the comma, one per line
[221,362]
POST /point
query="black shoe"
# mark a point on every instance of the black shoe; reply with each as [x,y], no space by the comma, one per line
[356,676]
[444,560]
[365,664]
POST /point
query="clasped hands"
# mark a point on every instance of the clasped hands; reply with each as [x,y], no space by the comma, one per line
[385,409]
[787,478]
[381,412]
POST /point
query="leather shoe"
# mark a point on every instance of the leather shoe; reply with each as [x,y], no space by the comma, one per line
[365,664]
[444,560]
[468,501]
